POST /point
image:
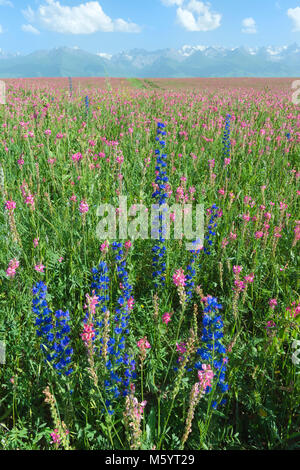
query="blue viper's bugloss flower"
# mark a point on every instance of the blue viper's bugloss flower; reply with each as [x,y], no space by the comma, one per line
[190,284]
[52,332]
[212,225]
[100,285]
[87,103]
[160,195]
[120,365]
[212,351]
[226,138]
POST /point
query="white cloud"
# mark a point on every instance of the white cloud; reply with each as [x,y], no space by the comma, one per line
[249,26]
[1,29]
[198,16]
[6,3]
[170,3]
[86,18]
[28,28]
[294,15]
[104,55]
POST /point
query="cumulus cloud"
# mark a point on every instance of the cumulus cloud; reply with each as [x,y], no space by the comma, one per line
[28,28]
[294,15]
[249,26]
[198,16]
[170,3]
[86,18]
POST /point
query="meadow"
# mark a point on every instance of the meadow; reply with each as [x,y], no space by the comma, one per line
[138,343]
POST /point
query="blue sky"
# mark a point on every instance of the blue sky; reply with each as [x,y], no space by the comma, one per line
[115,25]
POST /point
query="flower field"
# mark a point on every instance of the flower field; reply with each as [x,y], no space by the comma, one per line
[131,343]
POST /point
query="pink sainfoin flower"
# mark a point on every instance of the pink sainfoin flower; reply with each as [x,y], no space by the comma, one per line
[10,206]
[92,302]
[166,318]
[179,278]
[77,157]
[259,234]
[181,348]
[130,303]
[237,269]
[56,439]
[277,232]
[143,344]
[205,377]
[128,245]
[39,268]
[240,285]
[60,259]
[29,200]
[12,267]
[73,198]
[84,207]
[249,278]
[88,333]
[297,233]
[36,242]
[268,215]
[104,247]
[224,242]
[294,309]
[272,303]
[172,216]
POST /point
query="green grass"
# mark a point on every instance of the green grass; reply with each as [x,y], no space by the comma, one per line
[262,408]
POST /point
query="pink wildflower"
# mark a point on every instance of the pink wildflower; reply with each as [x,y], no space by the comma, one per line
[237,269]
[143,344]
[166,318]
[179,278]
[259,234]
[88,333]
[39,268]
[12,267]
[56,439]
[104,247]
[249,278]
[10,205]
[205,376]
[84,207]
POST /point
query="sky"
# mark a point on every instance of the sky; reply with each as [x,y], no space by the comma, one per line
[111,26]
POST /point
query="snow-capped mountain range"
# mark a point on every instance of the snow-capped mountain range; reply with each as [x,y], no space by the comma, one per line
[188,61]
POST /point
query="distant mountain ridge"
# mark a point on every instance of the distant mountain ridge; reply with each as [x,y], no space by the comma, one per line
[187,62]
